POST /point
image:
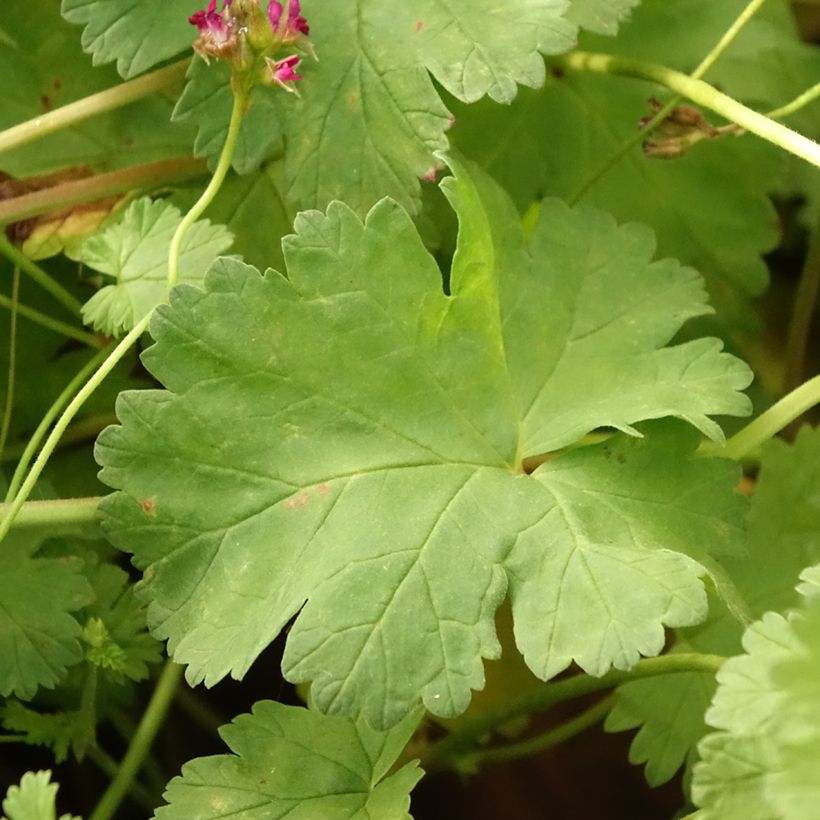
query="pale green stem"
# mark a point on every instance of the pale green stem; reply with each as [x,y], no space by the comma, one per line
[12,253]
[108,100]
[56,408]
[100,186]
[701,93]
[60,515]
[108,766]
[535,745]
[73,408]
[708,61]
[796,104]
[805,304]
[768,424]
[140,746]
[445,753]
[239,105]
[15,305]
[84,430]
[56,325]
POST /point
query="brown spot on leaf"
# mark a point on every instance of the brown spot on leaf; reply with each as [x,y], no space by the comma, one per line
[322,489]
[149,506]
[353,99]
[419,25]
[57,83]
[290,504]
[303,499]
[45,102]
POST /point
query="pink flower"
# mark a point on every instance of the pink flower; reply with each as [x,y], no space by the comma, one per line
[295,26]
[215,31]
[282,72]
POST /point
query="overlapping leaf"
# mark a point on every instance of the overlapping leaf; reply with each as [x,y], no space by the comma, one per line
[136,35]
[761,764]
[134,251]
[294,762]
[355,455]
[38,635]
[33,799]
[784,537]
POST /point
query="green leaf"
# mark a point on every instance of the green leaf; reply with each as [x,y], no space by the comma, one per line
[38,635]
[369,117]
[137,35]
[291,761]
[601,16]
[56,730]
[33,799]
[134,251]
[784,536]
[762,761]
[352,437]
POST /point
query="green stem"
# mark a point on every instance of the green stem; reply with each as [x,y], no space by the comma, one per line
[68,414]
[12,253]
[15,306]
[84,430]
[64,515]
[801,101]
[768,424]
[240,101]
[108,100]
[42,428]
[701,93]
[708,61]
[445,753]
[56,325]
[99,186]
[13,738]
[532,746]
[805,304]
[147,729]
[108,766]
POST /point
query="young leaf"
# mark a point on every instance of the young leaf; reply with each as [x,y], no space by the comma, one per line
[33,799]
[345,448]
[134,251]
[53,729]
[136,35]
[291,761]
[784,536]
[38,635]
[369,117]
[762,761]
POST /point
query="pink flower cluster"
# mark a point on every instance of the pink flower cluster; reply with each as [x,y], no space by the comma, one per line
[219,33]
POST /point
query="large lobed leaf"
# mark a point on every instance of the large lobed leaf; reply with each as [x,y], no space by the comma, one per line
[355,455]
[784,537]
[292,762]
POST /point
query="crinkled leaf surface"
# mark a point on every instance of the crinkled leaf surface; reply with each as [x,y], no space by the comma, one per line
[289,761]
[136,33]
[38,634]
[762,761]
[33,799]
[355,454]
[783,538]
[134,251]
[369,116]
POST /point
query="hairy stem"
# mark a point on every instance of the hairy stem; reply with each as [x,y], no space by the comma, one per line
[240,102]
[78,191]
[140,746]
[7,410]
[701,93]
[768,424]
[12,253]
[65,116]
[708,61]
[63,328]
[63,515]
[805,304]
[552,737]
[445,753]
[42,428]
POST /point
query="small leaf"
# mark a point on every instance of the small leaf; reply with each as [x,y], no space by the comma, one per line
[56,730]
[38,635]
[136,35]
[33,799]
[134,251]
[291,761]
